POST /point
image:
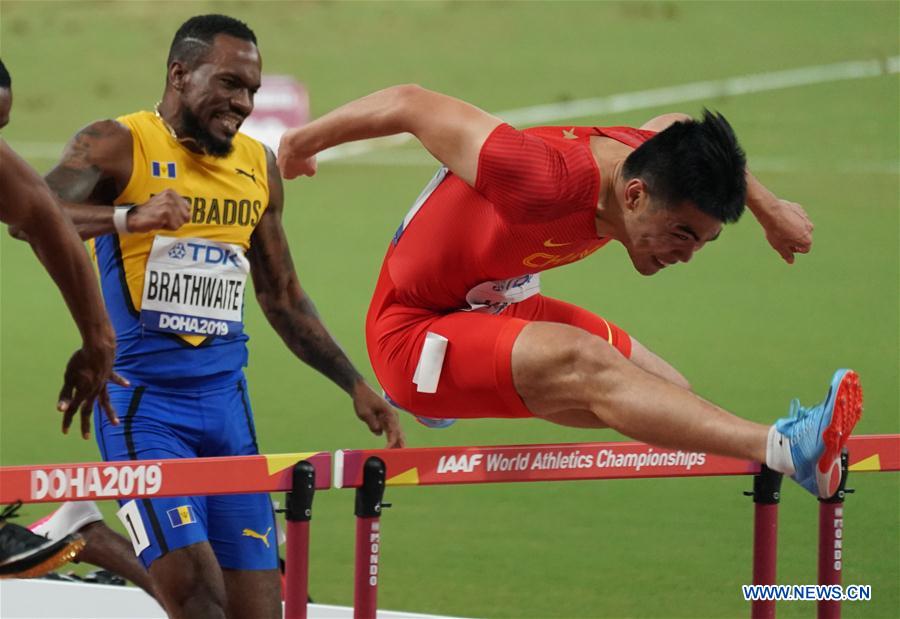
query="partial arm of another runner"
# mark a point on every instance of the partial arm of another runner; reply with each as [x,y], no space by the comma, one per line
[94,169]
[293,316]
[452,130]
[786,224]
[28,204]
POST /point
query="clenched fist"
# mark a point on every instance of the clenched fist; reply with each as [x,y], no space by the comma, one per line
[164,211]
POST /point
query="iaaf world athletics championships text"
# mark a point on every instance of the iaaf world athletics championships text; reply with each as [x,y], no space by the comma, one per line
[562,460]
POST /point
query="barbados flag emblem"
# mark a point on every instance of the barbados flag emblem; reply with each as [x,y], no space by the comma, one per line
[181,515]
[162,169]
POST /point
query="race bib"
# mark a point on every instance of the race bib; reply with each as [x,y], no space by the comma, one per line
[194,287]
[494,297]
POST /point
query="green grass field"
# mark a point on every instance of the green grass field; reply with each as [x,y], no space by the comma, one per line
[747,330]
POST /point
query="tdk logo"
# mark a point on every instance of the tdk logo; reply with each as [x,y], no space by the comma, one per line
[208,254]
[177,251]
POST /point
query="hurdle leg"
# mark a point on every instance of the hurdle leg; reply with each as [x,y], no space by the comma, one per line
[766,496]
[368,539]
[831,543]
[298,514]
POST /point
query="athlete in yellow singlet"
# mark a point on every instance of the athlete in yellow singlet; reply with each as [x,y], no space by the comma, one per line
[184,286]
[181,209]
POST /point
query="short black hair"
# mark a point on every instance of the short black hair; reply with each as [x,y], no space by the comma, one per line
[5,79]
[197,34]
[695,161]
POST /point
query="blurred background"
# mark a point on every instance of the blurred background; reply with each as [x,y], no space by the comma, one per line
[749,331]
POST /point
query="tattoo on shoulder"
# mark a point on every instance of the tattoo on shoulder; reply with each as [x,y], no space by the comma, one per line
[76,175]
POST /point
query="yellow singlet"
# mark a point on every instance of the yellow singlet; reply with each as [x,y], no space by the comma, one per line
[228,196]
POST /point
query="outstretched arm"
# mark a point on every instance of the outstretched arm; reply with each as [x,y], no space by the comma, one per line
[28,204]
[95,167]
[293,316]
[787,226]
[452,130]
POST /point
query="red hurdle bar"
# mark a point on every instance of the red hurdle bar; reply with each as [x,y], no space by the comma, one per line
[48,483]
[367,471]
[298,473]
[429,466]
[298,514]
[517,463]
[625,460]
[369,497]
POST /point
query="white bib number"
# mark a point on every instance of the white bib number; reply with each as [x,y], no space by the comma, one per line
[494,297]
[130,516]
[194,287]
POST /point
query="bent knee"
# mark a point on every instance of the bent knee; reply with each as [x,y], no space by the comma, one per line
[587,355]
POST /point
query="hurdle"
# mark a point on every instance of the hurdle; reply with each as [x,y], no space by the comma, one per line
[371,471]
[367,470]
[298,474]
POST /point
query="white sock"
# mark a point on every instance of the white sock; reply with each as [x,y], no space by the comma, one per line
[778,453]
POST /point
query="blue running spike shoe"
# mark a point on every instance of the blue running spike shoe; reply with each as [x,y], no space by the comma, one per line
[818,434]
[428,422]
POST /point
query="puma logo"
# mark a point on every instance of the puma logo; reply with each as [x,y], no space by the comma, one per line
[249,174]
[264,537]
[550,243]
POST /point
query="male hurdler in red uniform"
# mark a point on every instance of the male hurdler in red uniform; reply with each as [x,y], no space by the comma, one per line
[458,327]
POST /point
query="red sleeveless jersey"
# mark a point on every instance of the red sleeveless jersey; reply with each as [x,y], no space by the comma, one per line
[532,209]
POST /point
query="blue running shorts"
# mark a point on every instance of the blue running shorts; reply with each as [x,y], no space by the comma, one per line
[163,423]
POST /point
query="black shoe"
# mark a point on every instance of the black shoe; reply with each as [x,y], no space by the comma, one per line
[26,555]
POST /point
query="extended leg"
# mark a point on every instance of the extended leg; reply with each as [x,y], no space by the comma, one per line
[559,368]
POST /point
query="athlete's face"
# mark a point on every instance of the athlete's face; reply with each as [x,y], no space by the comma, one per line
[658,235]
[217,93]
[5,106]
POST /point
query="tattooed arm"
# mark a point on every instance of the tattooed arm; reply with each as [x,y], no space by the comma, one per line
[95,168]
[293,316]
